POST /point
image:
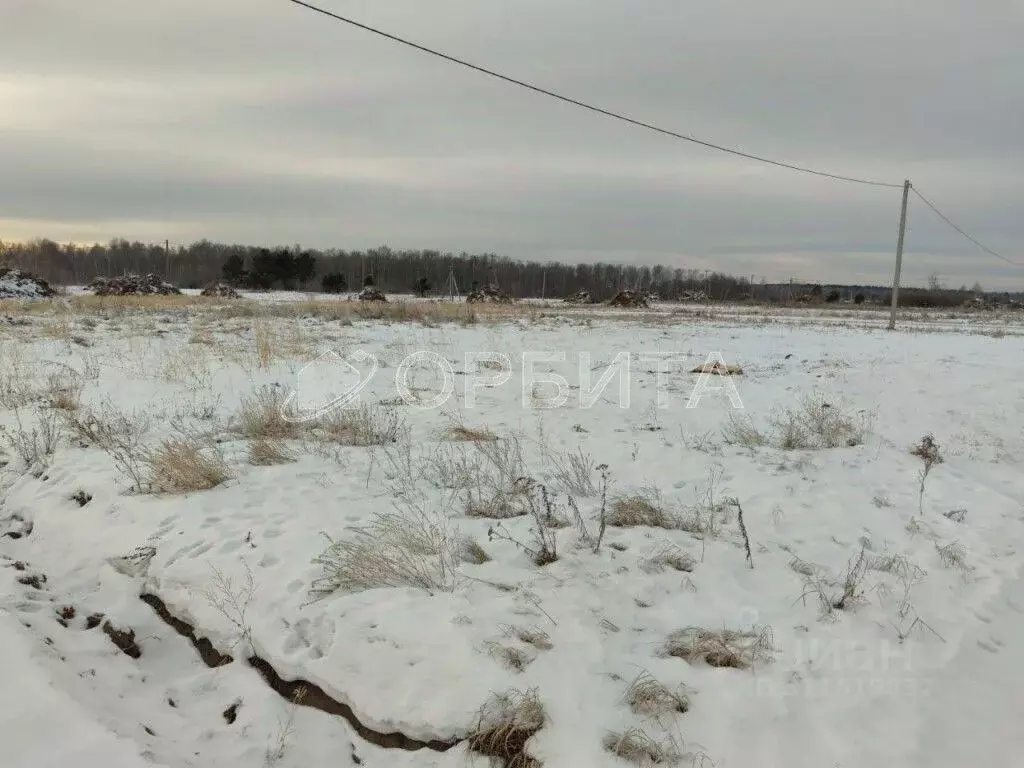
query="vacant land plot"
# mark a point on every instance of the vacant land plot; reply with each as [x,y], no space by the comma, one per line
[312,532]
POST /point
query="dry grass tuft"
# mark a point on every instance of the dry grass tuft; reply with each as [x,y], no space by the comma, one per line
[363,426]
[505,725]
[640,510]
[953,555]
[725,648]
[471,552]
[669,556]
[403,548]
[121,435]
[534,636]
[267,452]
[261,416]
[637,747]
[509,656]
[34,442]
[181,465]
[898,565]
[63,391]
[462,434]
[649,697]
[813,425]
[928,451]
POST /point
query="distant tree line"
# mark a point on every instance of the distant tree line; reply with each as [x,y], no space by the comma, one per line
[338,271]
[424,272]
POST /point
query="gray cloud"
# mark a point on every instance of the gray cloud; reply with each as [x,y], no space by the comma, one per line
[261,122]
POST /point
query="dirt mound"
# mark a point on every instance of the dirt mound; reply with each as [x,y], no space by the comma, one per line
[489,294]
[719,369]
[18,284]
[693,296]
[220,290]
[132,285]
[582,296]
[371,293]
[632,299]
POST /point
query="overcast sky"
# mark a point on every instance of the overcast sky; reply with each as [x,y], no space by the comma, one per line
[257,121]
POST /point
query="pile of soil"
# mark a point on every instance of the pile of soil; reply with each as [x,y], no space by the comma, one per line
[630,299]
[372,293]
[582,296]
[220,290]
[489,294]
[132,285]
[18,284]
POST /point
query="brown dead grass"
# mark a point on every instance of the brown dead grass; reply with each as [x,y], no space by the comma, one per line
[260,416]
[505,725]
[638,747]
[652,698]
[718,369]
[534,636]
[634,511]
[723,648]
[460,433]
[267,452]
[180,466]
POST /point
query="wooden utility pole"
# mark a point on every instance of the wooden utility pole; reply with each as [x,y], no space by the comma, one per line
[167,259]
[899,256]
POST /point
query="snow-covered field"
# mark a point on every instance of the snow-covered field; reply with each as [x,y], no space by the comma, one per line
[421,573]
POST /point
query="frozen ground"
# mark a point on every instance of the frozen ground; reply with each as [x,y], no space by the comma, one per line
[882,614]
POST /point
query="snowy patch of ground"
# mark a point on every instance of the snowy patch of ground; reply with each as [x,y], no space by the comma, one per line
[872,612]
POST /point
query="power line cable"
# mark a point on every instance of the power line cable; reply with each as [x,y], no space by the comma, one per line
[584,105]
[946,219]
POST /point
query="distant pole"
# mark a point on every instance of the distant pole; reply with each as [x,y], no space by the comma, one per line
[167,259]
[899,256]
[544,284]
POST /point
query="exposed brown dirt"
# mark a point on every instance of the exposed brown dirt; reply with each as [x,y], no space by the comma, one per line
[300,692]
[123,639]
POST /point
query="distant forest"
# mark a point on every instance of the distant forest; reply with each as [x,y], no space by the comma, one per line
[427,272]
[393,271]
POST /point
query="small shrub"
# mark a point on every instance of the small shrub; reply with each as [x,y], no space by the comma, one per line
[543,550]
[121,435]
[573,471]
[36,442]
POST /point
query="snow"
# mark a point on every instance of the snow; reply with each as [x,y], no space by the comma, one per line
[841,690]
[15,284]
